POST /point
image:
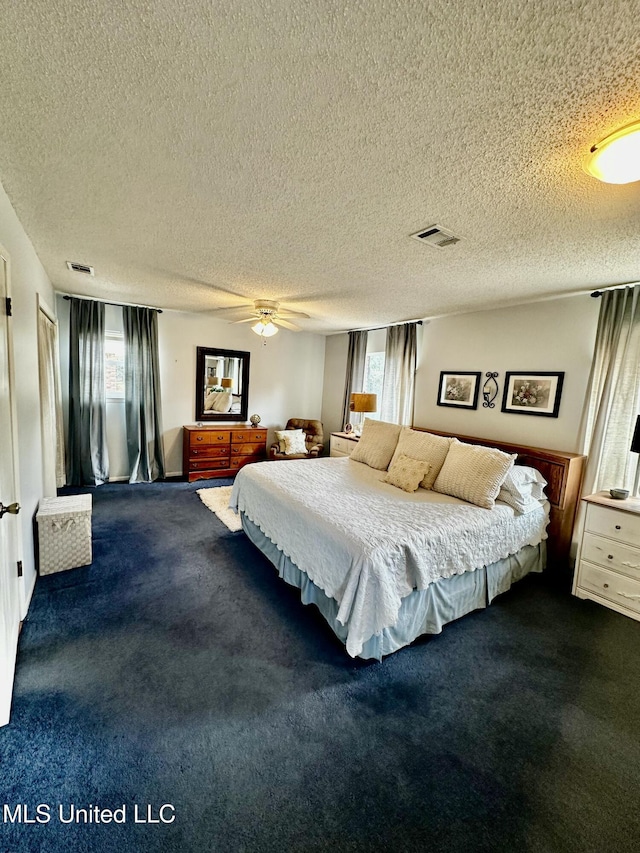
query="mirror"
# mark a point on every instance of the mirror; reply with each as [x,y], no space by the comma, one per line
[222,384]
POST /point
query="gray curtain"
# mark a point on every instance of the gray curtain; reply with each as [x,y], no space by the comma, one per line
[398,383]
[142,395]
[88,458]
[612,400]
[356,357]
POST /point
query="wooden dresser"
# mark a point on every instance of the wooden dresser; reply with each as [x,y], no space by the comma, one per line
[220,450]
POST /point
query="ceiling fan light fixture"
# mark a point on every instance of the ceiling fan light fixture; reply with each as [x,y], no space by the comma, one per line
[265,328]
[616,158]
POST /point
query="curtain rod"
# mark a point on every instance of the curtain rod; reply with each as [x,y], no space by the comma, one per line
[106,302]
[388,326]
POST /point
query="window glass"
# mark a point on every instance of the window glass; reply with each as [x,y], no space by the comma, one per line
[114,365]
[373,374]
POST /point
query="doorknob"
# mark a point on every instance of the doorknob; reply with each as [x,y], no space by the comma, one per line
[12,509]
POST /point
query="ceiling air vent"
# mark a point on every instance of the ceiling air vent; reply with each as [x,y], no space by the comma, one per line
[436,236]
[83,268]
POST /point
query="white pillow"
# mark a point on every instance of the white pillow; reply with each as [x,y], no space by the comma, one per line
[405,472]
[523,489]
[221,401]
[431,448]
[291,441]
[377,444]
[473,473]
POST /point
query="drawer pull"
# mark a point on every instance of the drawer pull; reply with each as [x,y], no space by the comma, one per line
[631,565]
[626,595]
[618,527]
[605,585]
[609,556]
[221,438]
[199,438]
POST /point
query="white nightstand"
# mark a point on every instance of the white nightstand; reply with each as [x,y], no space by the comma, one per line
[342,443]
[608,564]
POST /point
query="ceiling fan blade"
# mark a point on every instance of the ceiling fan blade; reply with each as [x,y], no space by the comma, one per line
[246,320]
[233,309]
[286,312]
[287,325]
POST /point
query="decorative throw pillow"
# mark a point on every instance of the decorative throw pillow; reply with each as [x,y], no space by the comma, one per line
[431,448]
[377,444]
[405,472]
[291,441]
[473,473]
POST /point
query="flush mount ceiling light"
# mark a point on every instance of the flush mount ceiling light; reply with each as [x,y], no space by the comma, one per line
[616,158]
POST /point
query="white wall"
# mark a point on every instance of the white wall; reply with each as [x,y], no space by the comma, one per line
[555,335]
[28,279]
[285,378]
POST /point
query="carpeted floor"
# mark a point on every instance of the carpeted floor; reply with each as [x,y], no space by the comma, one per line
[178,669]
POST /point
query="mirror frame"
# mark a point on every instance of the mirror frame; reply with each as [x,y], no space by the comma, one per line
[201,414]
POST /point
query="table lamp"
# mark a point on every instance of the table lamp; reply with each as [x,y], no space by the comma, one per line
[635,448]
[227,383]
[362,403]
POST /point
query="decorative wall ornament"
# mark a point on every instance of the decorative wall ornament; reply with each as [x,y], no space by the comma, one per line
[490,389]
[532,392]
[459,389]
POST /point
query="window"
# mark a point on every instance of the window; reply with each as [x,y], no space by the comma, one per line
[114,365]
[373,374]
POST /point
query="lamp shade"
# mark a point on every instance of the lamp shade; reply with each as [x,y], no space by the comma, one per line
[635,441]
[227,382]
[265,330]
[363,403]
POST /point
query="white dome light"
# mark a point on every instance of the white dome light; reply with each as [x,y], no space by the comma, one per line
[616,159]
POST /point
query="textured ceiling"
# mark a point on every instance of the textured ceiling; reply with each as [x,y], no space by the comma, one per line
[199,154]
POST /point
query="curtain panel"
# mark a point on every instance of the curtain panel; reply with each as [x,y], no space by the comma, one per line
[398,383]
[142,395]
[87,457]
[356,358]
[613,396]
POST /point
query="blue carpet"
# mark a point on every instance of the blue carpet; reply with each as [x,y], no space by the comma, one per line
[178,669]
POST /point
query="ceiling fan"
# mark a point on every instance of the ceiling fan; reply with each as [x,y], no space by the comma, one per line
[265,314]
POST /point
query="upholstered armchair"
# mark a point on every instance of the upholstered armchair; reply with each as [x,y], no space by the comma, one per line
[314,440]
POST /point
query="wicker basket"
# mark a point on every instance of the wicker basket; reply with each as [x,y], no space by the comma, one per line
[64,533]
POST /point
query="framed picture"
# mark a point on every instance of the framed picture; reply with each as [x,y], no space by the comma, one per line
[532,393]
[459,389]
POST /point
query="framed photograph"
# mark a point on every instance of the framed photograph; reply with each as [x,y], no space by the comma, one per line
[459,389]
[532,393]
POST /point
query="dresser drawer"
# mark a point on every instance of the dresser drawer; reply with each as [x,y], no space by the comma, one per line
[624,591]
[239,461]
[612,555]
[614,524]
[208,451]
[254,449]
[248,435]
[209,436]
[209,464]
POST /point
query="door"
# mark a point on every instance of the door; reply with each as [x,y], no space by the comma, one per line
[9,591]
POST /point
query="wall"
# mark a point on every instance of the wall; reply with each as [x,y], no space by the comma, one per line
[285,378]
[28,279]
[557,334]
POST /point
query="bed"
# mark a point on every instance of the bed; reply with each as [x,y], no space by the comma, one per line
[383,565]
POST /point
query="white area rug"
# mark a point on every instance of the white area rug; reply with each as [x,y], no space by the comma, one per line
[217,500]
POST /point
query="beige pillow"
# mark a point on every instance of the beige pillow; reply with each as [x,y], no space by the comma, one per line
[291,441]
[377,443]
[473,473]
[431,448]
[405,472]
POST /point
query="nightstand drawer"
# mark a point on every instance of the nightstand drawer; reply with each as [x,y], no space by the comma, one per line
[624,591]
[614,524]
[611,555]
[342,446]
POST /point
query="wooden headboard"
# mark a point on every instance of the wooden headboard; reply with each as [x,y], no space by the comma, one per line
[563,473]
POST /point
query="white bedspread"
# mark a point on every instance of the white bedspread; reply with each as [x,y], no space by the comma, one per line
[368,544]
